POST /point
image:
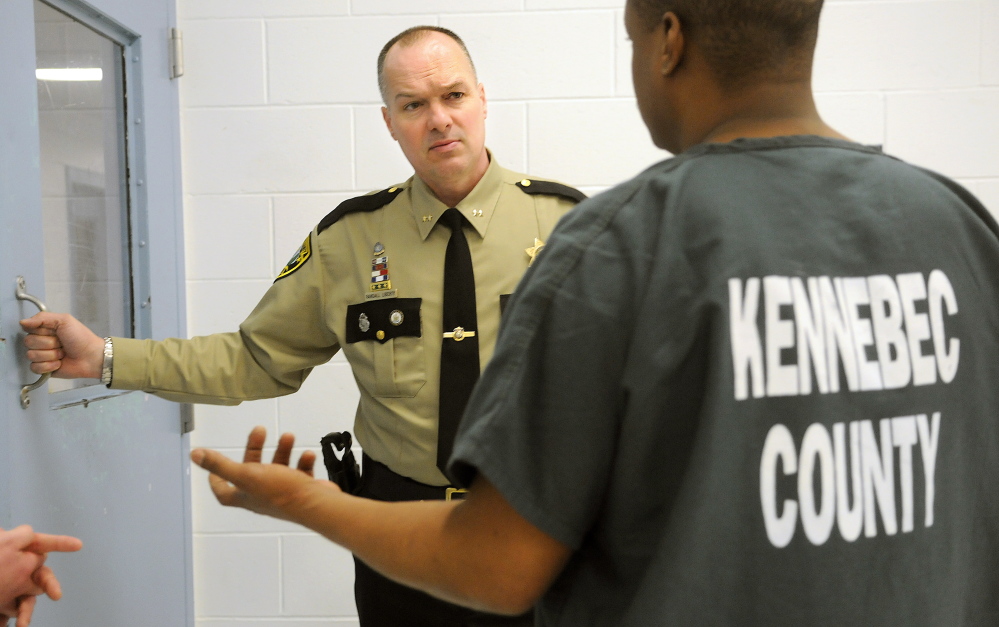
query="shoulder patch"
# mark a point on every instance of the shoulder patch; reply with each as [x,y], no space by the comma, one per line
[301,256]
[551,188]
[371,202]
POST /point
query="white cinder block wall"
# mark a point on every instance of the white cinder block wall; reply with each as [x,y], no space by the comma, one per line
[281,122]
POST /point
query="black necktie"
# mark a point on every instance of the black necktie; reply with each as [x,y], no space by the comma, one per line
[460,345]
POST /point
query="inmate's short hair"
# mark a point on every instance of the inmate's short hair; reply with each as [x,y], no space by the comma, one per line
[409,37]
[745,39]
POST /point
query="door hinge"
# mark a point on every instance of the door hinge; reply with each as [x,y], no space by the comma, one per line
[186,418]
[176,53]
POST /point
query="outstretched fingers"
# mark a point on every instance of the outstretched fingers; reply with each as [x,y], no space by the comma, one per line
[307,462]
[255,446]
[282,455]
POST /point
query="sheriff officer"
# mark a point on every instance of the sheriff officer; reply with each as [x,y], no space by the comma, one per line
[409,282]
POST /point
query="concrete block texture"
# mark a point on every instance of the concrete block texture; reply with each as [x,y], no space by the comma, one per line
[564,136]
[318,577]
[860,116]
[883,45]
[200,9]
[622,58]
[540,55]
[236,576]
[233,151]
[990,42]
[223,63]
[227,237]
[219,306]
[225,426]
[547,5]
[428,8]
[328,60]
[952,132]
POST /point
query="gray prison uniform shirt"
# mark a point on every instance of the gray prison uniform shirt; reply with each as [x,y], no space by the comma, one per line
[759,385]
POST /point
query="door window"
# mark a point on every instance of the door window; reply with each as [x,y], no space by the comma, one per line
[84,169]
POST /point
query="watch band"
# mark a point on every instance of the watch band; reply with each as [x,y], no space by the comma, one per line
[108,362]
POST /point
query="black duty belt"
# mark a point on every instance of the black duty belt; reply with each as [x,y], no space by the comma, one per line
[380,483]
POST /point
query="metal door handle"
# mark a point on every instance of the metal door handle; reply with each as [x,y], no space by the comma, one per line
[22,295]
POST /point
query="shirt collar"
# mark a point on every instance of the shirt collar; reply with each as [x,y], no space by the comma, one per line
[478,207]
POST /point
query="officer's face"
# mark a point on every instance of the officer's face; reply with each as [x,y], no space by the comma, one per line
[437,112]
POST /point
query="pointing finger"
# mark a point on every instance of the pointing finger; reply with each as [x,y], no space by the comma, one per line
[44,543]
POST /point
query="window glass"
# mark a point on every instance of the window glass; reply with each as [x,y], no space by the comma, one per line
[81,114]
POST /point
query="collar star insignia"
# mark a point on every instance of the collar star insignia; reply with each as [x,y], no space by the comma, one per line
[534,250]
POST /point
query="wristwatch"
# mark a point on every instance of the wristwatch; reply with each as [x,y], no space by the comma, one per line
[108,362]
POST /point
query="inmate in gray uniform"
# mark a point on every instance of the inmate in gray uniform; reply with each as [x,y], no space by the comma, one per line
[775,364]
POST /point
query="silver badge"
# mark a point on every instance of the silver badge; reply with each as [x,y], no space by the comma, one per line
[379,249]
[363,323]
[396,317]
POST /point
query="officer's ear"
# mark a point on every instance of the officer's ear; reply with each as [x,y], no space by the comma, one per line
[485,105]
[388,122]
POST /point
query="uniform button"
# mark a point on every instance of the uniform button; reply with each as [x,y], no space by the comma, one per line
[526,182]
[380,335]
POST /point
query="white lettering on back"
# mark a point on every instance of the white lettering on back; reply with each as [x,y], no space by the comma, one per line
[826,488]
[870,333]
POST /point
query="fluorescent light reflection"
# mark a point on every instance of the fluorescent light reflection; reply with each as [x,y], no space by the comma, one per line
[70,74]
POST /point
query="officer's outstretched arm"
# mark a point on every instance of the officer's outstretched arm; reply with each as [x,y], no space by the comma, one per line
[478,552]
[61,344]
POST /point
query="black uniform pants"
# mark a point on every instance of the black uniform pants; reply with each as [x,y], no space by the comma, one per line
[382,602]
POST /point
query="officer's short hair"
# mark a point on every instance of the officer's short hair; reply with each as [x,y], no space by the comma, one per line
[744,40]
[409,37]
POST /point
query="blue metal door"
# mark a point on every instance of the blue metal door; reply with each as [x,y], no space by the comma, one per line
[90,207]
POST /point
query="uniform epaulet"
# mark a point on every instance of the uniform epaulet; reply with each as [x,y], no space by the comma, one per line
[551,188]
[371,202]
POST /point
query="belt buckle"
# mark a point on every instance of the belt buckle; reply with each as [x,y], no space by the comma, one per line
[455,494]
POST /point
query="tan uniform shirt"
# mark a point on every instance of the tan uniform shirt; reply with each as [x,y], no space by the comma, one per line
[312,311]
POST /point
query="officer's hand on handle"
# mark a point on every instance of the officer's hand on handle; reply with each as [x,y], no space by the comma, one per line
[62,345]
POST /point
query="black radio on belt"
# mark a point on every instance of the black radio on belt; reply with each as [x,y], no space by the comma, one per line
[342,470]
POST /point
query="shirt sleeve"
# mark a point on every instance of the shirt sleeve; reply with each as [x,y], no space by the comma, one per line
[542,423]
[276,347]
